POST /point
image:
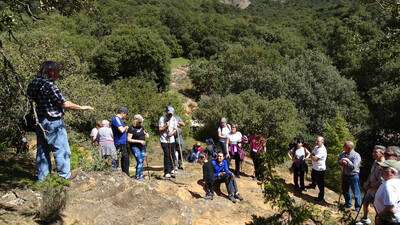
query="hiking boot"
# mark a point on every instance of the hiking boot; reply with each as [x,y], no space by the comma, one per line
[167,175]
[237,196]
[232,198]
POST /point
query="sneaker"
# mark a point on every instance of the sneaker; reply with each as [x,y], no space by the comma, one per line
[366,221]
[180,167]
[167,175]
[232,198]
[140,178]
[303,190]
[357,209]
[237,196]
[363,221]
[208,197]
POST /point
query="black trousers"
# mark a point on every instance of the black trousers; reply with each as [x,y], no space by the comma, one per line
[209,187]
[318,178]
[298,173]
[236,157]
[169,156]
[257,163]
[123,151]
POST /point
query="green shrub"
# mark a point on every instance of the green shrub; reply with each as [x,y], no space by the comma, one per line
[309,80]
[54,198]
[141,97]
[277,119]
[133,51]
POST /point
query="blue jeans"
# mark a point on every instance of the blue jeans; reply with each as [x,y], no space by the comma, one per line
[223,148]
[56,140]
[140,154]
[351,182]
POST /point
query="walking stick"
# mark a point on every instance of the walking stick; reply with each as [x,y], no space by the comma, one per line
[147,165]
[180,147]
[359,210]
[170,153]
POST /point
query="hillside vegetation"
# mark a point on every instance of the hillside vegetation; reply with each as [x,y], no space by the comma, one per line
[279,68]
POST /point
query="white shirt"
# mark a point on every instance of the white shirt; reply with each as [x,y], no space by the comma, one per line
[93,133]
[300,152]
[388,194]
[224,131]
[235,138]
[321,153]
[172,125]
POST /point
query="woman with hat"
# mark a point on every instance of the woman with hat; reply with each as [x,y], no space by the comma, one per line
[136,139]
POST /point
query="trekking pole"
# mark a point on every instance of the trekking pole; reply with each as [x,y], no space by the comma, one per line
[170,153]
[147,165]
[180,147]
[359,210]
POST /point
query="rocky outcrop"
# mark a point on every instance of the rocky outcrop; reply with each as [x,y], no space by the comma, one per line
[242,4]
[114,198]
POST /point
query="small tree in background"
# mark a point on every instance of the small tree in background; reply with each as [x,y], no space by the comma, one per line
[336,132]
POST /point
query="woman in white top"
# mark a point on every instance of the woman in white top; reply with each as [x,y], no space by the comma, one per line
[224,130]
[298,154]
[235,147]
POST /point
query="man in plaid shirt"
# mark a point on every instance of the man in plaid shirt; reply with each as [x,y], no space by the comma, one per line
[52,135]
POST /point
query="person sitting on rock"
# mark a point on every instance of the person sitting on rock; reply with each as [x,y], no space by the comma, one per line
[196,150]
[223,175]
[208,175]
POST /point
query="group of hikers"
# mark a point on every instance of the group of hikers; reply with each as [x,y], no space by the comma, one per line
[382,188]
[116,140]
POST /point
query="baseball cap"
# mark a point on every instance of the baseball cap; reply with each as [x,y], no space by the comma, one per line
[123,110]
[170,110]
[393,150]
[390,163]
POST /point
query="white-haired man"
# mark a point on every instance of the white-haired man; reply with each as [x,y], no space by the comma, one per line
[387,197]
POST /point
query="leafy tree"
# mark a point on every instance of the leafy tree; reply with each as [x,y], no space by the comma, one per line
[278,118]
[133,52]
[336,132]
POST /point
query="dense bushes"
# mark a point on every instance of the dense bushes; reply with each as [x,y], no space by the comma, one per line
[133,51]
[309,80]
[278,118]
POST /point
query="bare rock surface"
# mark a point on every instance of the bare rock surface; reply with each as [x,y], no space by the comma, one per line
[114,198]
